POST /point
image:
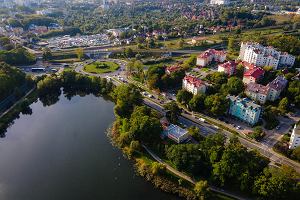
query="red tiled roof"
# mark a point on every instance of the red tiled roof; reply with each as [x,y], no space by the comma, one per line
[228,64]
[248,65]
[194,81]
[255,73]
[173,68]
[210,52]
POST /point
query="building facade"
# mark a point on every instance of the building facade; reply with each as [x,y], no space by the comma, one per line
[295,137]
[257,92]
[228,68]
[244,109]
[260,56]
[276,87]
[210,55]
[193,85]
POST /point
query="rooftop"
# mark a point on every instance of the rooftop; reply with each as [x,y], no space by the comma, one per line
[228,64]
[255,72]
[211,52]
[257,88]
[279,83]
[194,80]
[175,131]
[245,102]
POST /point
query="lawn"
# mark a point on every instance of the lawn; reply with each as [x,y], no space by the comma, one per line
[101,67]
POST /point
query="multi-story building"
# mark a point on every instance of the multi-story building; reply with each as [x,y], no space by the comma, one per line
[210,55]
[193,85]
[244,109]
[295,137]
[276,87]
[228,68]
[219,2]
[257,92]
[253,75]
[271,92]
[260,56]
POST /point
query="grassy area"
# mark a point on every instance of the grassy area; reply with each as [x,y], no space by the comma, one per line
[67,60]
[101,67]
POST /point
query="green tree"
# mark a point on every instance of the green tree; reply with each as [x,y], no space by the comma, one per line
[47,54]
[234,86]
[190,63]
[126,97]
[172,111]
[201,189]
[128,52]
[216,104]
[197,102]
[258,133]
[283,105]
[79,53]
[183,96]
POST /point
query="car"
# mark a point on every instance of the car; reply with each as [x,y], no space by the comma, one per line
[277,127]
[238,128]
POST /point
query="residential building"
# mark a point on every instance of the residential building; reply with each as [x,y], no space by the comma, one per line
[257,92]
[271,92]
[260,56]
[276,87]
[253,75]
[219,2]
[173,68]
[193,85]
[228,68]
[210,55]
[295,137]
[244,109]
[248,66]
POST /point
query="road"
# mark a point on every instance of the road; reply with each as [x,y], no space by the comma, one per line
[188,178]
[207,129]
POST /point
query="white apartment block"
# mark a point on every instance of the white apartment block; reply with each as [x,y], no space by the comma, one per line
[295,137]
[255,53]
[219,2]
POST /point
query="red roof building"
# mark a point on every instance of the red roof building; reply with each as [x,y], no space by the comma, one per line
[193,85]
[228,68]
[210,55]
[253,75]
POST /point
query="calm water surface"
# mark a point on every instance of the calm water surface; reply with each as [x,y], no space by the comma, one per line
[61,152]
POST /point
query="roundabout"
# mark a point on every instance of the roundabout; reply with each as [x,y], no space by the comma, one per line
[101,67]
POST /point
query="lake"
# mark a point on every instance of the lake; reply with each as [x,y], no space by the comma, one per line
[61,152]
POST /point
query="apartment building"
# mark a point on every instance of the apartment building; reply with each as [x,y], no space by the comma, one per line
[295,137]
[257,92]
[244,109]
[253,75]
[228,68]
[193,85]
[260,55]
[276,87]
[210,55]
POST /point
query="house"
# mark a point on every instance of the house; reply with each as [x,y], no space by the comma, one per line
[228,68]
[276,87]
[248,66]
[260,55]
[253,75]
[244,109]
[171,69]
[193,85]
[175,133]
[257,92]
[295,137]
[210,55]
